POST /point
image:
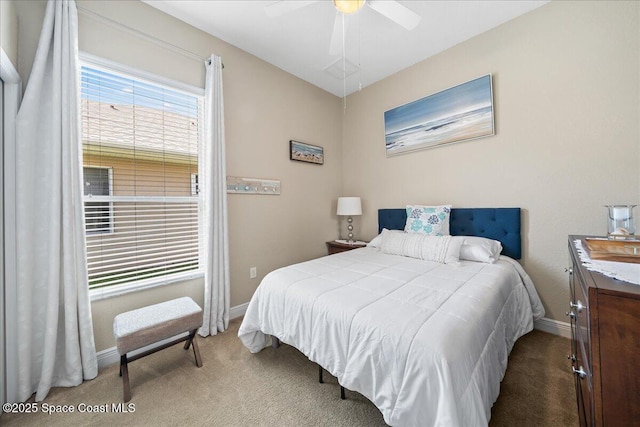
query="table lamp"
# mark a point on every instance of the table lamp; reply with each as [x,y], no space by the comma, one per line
[349,206]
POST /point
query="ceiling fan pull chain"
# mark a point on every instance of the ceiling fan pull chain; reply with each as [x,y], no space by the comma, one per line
[344,65]
[359,57]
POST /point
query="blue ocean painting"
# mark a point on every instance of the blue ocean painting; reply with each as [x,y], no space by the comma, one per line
[452,115]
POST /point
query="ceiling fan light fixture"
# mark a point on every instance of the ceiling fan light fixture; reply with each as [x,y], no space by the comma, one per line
[348,6]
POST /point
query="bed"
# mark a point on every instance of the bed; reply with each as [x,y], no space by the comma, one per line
[426,342]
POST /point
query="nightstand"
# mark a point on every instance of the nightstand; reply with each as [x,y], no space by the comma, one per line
[334,247]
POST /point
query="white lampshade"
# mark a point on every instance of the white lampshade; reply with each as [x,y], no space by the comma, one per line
[349,206]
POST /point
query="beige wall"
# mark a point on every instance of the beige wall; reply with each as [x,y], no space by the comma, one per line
[9,30]
[264,108]
[566,84]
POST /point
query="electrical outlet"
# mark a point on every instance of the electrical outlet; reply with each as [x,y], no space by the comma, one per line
[253,272]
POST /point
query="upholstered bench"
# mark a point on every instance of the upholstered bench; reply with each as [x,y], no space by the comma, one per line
[148,325]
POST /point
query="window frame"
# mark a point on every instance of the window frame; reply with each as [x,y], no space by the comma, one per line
[97,294]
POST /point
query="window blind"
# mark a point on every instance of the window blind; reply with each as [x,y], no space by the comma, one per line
[140,156]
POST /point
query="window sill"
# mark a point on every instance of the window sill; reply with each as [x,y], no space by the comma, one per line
[118,290]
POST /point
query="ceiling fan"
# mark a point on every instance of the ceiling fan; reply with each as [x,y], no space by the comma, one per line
[391,9]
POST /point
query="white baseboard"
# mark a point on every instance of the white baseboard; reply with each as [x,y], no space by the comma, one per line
[238,311]
[107,357]
[555,327]
[110,356]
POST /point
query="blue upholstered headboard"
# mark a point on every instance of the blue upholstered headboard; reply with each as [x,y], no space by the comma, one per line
[502,224]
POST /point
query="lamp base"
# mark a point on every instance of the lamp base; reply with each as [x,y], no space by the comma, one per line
[350,239]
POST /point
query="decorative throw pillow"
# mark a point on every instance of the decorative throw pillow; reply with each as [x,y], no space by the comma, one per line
[377,241]
[480,249]
[431,220]
[442,249]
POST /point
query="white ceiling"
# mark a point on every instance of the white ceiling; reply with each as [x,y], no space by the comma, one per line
[298,41]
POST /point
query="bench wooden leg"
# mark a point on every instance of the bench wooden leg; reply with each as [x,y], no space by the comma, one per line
[196,351]
[187,343]
[124,373]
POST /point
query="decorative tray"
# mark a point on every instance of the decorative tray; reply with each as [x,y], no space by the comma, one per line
[613,250]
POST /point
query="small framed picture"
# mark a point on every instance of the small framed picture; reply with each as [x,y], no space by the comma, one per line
[308,153]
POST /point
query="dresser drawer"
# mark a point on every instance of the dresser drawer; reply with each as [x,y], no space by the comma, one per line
[580,309]
[579,312]
[580,327]
[584,389]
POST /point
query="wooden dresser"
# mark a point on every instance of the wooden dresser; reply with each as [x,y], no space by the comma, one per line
[605,328]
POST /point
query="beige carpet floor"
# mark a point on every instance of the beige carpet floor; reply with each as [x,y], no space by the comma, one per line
[280,388]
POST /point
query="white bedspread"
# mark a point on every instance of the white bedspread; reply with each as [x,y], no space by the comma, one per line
[427,343]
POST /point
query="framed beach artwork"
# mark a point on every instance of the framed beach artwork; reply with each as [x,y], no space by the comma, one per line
[308,153]
[457,114]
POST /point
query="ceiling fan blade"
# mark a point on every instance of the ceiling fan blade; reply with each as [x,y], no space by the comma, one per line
[396,12]
[282,7]
[337,35]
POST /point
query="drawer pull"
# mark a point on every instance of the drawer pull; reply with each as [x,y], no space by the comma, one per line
[568,270]
[578,306]
[580,371]
[572,357]
[571,314]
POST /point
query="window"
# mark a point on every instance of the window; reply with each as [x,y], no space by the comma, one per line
[195,189]
[140,143]
[98,215]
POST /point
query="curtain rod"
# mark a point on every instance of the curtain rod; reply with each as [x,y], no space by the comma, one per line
[145,36]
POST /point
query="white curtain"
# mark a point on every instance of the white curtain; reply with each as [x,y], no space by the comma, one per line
[55,345]
[212,169]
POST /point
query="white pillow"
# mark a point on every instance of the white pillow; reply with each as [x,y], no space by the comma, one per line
[431,220]
[377,241]
[442,249]
[480,249]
